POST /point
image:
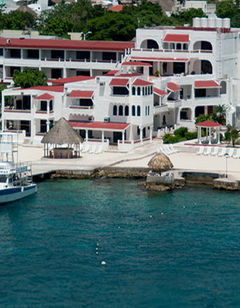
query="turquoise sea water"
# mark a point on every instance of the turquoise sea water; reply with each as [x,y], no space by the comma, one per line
[179,249]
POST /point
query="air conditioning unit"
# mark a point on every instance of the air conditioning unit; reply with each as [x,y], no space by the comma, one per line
[97,80]
[107,119]
[8,41]
[102,83]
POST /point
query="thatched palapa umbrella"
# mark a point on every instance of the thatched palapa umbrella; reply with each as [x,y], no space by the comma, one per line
[160,162]
[62,133]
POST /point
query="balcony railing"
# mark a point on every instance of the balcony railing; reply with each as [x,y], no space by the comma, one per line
[172,50]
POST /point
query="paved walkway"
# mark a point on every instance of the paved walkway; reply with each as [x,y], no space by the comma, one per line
[138,157]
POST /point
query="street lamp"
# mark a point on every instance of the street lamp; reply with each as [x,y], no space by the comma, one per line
[85,34]
[226,156]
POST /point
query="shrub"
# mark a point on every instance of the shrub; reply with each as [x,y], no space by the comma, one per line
[191,135]
[167,138]
[181,131]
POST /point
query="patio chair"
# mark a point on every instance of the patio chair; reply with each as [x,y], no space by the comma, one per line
[214,151]
[200,151]
[172,149]
[166,149]
[162,149]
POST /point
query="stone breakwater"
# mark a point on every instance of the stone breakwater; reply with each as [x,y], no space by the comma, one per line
[152,183]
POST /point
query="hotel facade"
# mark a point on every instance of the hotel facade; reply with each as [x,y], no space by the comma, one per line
[124,93]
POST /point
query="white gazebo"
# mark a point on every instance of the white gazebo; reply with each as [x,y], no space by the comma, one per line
[209,125]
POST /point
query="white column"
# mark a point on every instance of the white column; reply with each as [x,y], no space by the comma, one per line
[141,135]
[123,136]
[102,136]
[218,135]
[131,134]
[209,131]
[86,135]
[199,134]
[48,125]
[150,133]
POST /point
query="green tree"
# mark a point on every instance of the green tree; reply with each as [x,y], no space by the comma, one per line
[29,78]
[16,20]
[231,134]
[202,118]
[186,17]
[219,114]
[226,9]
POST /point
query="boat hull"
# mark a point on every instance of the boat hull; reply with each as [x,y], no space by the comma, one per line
[16,193]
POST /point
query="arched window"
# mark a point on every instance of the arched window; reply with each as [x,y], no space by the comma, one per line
[133,111]
[133,91]
[120,111]
[145,110]
[138,91]
[143,93]
[151,90]
[179,46]
[145,90]
[138,111]
[126,111]
[148,110]
[114,110]
[223,89]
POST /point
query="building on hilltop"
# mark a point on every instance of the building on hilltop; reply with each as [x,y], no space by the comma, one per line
[170,77]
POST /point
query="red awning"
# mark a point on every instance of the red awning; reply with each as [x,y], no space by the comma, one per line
[208,123]
[112,73]
[100,125]
[132,63]
[161,59]
[140,82]
[81,94]
[119,82]
[173,87]
[159,92]
[176,38]
[44,97]
[203,84]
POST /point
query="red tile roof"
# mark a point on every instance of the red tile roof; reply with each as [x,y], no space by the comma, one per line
[159,92]
[65,44]
[119,82]
[47,88]
[116,8]
[45,96]
[70,79]
[81,94]
[208,123]
[140,82]
[173,87]
[200,84]
[111,73]
[132,63]
[100,125]
[161,59]
[178,38]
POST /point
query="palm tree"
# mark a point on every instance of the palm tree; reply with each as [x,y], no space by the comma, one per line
[219,114]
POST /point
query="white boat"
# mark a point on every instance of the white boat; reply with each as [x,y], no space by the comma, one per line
[15,179]
[15,182]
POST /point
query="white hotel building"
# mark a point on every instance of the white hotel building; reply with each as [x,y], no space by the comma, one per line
[168,78]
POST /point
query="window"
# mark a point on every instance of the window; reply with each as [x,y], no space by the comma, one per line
[148,110]
[114,110]
[1,51]
[179,47]
[133,111]
[145,110]
[33,54]
[15,53]
[43,106]
[138,111]
[142,90]
[145,90]
[120,110]
[133,91]
[43,126]
[51,105]
[108,56]
[126,110]
[81,55]
[120,91]
[138,91]
[57,54]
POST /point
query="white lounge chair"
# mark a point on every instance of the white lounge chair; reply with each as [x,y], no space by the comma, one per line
[166,149]
[172,148]
[237,154]
[162,149]
[207,151]
[85,148]
[200,150]
[230,153]
[222,152]
[214,151]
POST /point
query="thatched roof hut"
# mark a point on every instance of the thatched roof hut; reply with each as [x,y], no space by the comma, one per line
[160,162]
[61,133]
